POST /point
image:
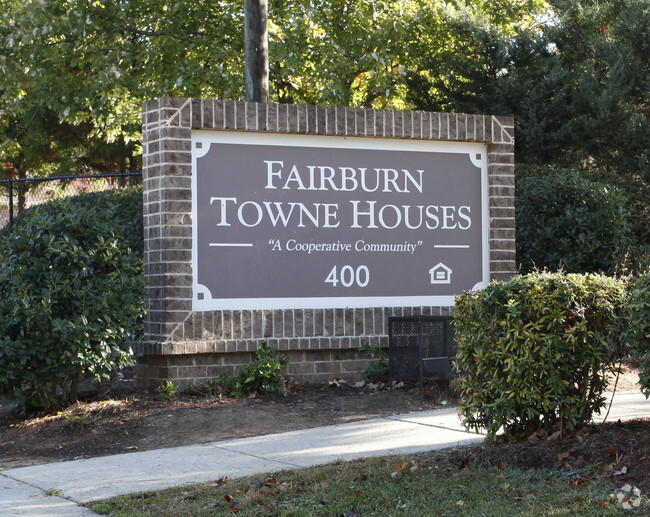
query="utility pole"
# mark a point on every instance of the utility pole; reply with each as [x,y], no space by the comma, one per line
[256,50]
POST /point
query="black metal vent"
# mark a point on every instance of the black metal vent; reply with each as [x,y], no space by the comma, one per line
[421,346]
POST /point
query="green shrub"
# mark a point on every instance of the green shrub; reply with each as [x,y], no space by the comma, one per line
[167,390]
[638,326]
[533,352]
[263,375]
[565,221]
[124,203]
[70,295]
[212,388]
[379,369]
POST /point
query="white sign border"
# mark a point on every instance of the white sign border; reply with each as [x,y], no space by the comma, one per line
[203,139]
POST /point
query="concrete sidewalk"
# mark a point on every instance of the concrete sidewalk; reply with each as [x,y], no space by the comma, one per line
[24,491]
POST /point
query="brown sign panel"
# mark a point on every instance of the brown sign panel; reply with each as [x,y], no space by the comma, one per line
[301,221]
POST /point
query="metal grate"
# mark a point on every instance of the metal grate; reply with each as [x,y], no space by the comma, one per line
[420,346]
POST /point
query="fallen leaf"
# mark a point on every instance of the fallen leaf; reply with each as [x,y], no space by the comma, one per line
[465,462]
[293,384]
[606,469]
[555,436]
[620,472]
[579,463]
[401,466]
[338,383]
[562,456]
[459,503]
[577,482]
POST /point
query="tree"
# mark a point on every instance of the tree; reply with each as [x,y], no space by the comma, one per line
[592,97]
[90,65]
[567,222]
[577,83]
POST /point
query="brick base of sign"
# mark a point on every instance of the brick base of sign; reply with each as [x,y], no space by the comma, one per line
[305,367]
[328,349]
[185,346]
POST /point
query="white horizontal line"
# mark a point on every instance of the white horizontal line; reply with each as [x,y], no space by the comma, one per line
[232,244]
[451,245]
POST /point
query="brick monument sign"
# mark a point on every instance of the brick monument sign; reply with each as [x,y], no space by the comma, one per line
[307,227]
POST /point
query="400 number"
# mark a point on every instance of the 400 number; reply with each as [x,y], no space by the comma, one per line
[348,276]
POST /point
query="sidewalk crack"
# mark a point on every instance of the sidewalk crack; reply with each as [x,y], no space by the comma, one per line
[265,458]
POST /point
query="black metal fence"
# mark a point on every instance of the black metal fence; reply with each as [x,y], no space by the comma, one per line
[17,195]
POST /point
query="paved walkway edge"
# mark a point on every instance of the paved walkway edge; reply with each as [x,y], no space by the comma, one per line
[53,489]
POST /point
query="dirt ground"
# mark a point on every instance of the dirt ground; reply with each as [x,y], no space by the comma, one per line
[136,420]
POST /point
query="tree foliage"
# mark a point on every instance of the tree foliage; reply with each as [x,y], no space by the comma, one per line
[577,82]
[566,221]
[85,67]
[90,65]
[575,74]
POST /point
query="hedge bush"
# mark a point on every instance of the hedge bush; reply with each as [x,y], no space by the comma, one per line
[70,294]
[637,334]
[533,352]
[566,221]
[124,203]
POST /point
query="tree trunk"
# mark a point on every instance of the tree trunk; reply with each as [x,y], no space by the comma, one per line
[256,53]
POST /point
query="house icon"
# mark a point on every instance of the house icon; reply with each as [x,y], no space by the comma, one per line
[440,274]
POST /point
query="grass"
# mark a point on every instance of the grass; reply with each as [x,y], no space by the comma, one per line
[442,483]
